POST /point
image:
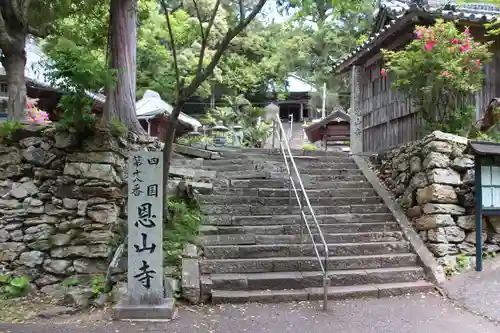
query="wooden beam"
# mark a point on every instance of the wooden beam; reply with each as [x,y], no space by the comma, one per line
[400,41]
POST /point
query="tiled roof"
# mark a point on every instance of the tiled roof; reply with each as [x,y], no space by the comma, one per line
[398,9]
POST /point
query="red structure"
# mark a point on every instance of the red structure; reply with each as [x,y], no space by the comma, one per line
[334,129]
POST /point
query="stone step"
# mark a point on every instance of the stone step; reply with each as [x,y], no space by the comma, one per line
[301,280]
[269,220]
[277,151]
[325,177]
[283,183]
[284,192]
[291,229]
[280,210]
[280,201]
[334,293]
[252,239]
[328,171]
[305,264]
[297,250]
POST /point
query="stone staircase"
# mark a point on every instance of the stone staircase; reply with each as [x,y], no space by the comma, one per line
[251,236]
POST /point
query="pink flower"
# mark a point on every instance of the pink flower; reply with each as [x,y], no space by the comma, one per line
[418,32]
[461,48]
[467,32]
[454,41]
[383,72]
[478,63]
[429,46]
[467,46]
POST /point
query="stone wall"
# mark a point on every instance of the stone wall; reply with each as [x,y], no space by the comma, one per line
[433,180]
[62,203]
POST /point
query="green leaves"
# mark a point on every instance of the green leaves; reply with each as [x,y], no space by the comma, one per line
[440,69]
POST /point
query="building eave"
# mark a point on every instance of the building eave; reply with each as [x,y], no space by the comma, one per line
[463,14]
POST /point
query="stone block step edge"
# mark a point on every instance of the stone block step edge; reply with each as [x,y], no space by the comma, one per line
[293,229]
[334,238]
[259,251]
[276,280]
[306,264]
[314,294]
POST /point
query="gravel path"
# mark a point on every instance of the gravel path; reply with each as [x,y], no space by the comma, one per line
[427,313]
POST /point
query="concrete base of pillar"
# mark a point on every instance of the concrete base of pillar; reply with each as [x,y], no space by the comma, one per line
[145,312]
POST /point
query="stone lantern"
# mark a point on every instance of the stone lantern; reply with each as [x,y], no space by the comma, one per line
[193,134]
[237,135]
[219,134]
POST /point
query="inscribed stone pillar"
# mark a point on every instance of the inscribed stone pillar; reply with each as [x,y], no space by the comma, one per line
[356,125]
[145,292]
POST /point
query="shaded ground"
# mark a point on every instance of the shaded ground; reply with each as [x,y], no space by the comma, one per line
[478,292]
[411,314]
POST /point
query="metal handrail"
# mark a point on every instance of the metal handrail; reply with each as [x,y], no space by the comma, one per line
[304,220]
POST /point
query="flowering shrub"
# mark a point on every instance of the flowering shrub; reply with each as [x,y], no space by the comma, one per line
[440,69]
[34,115]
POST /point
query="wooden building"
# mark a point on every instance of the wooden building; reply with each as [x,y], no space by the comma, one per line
[153,113]
[382,117]
[332,130]
[39,87]
[299,92]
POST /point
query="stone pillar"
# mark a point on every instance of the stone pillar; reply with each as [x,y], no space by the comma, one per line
[146,298]
[301,112]
[356,125]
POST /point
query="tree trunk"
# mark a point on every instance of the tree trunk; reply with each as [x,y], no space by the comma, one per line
[120,101]
[168,139]
[14,63]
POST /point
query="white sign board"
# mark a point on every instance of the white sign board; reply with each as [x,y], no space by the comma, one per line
[145,228]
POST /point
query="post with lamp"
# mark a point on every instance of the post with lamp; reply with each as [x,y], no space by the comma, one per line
[271,112]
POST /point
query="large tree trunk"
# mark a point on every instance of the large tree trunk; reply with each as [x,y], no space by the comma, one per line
[14,61]
[120,101]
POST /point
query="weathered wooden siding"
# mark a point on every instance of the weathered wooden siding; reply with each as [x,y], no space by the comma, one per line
[388,116]
[491,87]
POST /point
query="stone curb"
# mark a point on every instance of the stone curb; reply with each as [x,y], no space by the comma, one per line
[434,271]
[191,277]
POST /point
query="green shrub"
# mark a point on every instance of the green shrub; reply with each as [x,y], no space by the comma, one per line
[7,127]
[77,116]
[181,228]
[14,286]
[309,147]
[440,69]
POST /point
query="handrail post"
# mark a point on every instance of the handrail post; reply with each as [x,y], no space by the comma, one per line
[326,280]
[289,190]
[274,133]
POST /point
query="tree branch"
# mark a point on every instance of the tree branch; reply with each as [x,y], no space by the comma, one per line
[5,38]
[191,88]
[204,35]
[198,15]
[40,32]
[242,11]
[174,51]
